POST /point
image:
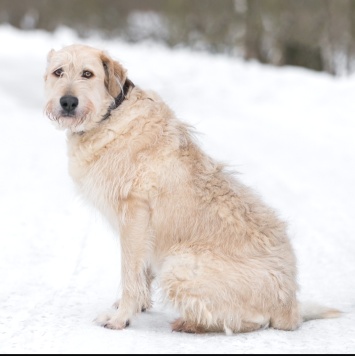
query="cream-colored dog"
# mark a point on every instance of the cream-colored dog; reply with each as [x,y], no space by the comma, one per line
[221,257]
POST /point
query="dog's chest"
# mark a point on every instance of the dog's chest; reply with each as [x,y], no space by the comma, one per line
[104,176]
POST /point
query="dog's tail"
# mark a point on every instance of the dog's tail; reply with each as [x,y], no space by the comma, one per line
[311,311]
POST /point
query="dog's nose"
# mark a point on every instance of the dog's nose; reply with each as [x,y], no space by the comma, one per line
[69,103]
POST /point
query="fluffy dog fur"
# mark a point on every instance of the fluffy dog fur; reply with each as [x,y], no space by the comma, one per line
[221,257]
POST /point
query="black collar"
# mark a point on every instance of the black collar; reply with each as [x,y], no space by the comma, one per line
[119,99]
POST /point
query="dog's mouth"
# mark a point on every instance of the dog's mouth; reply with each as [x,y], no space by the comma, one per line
[71,115]
[66,120]
[62,115]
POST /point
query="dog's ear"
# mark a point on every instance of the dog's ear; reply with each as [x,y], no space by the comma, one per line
[49,56]
[115,75]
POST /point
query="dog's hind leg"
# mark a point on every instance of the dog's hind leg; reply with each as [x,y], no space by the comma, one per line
[286,317]
[208,296]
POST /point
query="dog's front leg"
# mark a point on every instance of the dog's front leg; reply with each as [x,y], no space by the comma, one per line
[135,237]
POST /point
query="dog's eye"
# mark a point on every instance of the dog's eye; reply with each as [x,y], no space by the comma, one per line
[87,74]
[58,72]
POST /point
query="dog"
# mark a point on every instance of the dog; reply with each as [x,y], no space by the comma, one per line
[220,256]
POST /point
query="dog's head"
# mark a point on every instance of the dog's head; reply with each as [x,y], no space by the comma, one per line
[81,83]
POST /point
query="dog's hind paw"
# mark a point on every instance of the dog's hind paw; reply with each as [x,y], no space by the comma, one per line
[181,325]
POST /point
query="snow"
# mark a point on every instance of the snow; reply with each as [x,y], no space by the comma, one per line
[289,132]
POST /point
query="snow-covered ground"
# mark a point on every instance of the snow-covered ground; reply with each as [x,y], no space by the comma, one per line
[289,132]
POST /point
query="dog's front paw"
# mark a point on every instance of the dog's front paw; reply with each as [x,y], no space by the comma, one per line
[116,304]
[146,305]
[116,324]
[112,321]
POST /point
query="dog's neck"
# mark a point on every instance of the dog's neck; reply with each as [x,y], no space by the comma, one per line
[119,98]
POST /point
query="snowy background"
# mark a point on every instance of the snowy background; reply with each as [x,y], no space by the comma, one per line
[289,132]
